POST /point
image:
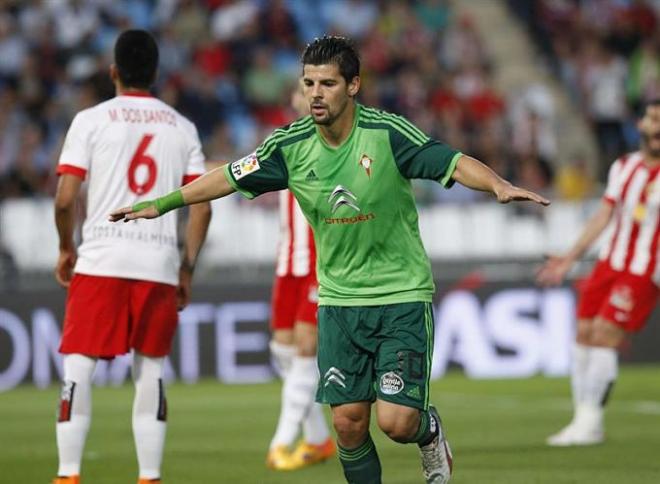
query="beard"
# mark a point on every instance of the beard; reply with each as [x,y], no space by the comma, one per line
[329,117]
[324,120]
[651,144]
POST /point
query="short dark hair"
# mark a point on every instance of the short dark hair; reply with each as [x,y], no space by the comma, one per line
[136,58]
[652,102]
[333,50]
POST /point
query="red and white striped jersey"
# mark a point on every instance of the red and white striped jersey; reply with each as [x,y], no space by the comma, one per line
[130,148]
[634,188]
[297,253]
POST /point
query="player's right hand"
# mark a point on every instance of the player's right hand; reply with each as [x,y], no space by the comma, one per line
[554,270]
[130,213]
[64,267]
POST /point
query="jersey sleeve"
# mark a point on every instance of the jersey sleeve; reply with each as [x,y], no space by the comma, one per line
[259,172]
[76,151]
[195,165]
[418,156]
[613,190]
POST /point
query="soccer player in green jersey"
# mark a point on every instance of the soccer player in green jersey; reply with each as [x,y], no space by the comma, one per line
[349,166]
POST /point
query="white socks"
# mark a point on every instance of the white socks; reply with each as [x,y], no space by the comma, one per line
[282,357]
[298,406]
[149,414]
[315,429]
[579,371]
[595,370]
[75,412]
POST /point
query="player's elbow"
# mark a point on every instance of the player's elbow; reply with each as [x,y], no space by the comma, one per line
[63,205]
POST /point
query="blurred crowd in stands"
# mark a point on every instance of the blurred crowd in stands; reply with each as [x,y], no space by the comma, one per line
[230,67]
[607,55]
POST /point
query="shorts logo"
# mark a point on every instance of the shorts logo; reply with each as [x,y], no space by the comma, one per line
[622,298]
[414,393]
[333,375]
[245,166]
[313,294]
[391,383]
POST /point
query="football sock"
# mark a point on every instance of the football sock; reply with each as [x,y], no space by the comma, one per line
[601,375]
[361,465]
[297,397]
[428,429]
[149,414]
[315,429]
[282,357]
[578,371]
[75,412]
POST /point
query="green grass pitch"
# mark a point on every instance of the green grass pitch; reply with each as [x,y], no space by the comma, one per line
[219,434]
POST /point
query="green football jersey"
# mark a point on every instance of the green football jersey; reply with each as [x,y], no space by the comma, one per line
[358,200]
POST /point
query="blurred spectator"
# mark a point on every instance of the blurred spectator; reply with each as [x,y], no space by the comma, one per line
[229,65]
[574,181]
[607,53]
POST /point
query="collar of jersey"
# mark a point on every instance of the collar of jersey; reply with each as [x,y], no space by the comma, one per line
[136,94]
[345,143]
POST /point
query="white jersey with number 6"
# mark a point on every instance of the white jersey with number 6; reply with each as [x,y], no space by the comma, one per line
[130,148]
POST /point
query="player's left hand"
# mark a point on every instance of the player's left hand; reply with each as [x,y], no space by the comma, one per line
[183,290]
[64,267]
[128,213]
[510,193]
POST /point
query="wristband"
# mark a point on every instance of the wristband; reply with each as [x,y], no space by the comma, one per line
[164,204]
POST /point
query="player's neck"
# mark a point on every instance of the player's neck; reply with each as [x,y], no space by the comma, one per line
[649,159]
[337,132]
[131,91]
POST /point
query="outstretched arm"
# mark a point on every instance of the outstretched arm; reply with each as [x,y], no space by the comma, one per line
[210,186]
[474,174]
[556,267]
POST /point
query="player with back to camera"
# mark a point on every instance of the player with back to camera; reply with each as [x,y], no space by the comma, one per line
[124,283]
[293,342]
[622,290]
[375,320]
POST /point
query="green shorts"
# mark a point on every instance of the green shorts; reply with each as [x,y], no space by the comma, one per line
[370,352]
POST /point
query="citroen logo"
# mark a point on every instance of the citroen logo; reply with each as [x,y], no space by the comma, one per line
[342,196]
[333,375]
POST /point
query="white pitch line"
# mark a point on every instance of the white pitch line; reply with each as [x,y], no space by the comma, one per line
[505,402]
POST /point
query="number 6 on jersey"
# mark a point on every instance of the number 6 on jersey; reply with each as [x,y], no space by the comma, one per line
[141,158]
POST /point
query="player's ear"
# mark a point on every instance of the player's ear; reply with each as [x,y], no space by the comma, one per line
[354,86]
[114,74]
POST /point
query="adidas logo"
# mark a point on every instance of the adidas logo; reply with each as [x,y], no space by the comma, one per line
[414,393]
[311,176]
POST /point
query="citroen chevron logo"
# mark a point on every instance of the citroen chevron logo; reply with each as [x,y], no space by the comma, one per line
[334,375]
[342,196]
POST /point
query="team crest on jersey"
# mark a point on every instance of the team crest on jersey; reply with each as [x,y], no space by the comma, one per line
[245,166]
[366,163]
[391,383]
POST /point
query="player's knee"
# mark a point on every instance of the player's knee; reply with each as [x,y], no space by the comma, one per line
[399,427]
[351,427]
[306,337]
[607,334]
[584,332]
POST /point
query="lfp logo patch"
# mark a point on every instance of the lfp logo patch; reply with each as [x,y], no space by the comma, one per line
[245,166]
[391,383]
